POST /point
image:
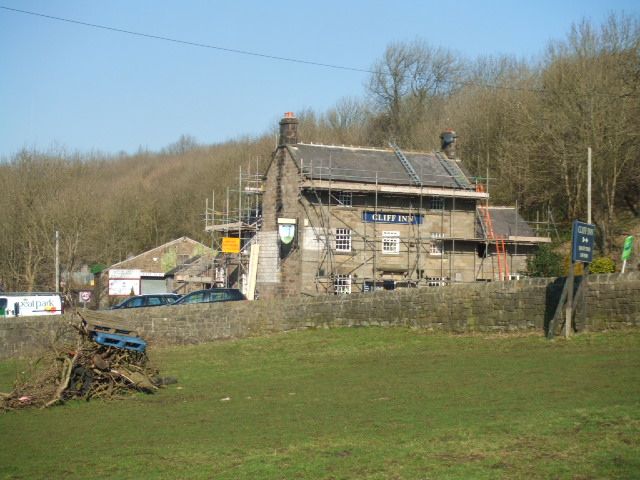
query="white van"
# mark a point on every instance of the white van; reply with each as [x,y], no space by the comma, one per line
[30,304]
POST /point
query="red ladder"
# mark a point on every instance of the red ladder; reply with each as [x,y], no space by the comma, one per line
[503,264]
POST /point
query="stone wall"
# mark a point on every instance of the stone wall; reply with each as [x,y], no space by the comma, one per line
[612,301]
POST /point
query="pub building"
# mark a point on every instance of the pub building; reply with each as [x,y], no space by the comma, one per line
[342,219]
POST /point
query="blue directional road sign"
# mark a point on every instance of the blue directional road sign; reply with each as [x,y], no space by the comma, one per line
[584,235]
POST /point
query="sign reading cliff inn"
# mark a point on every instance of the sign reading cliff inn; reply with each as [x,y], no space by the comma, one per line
[388,217]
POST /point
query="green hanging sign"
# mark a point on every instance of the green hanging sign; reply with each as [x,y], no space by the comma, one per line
[627,248]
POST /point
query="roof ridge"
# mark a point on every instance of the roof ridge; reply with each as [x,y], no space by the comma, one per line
[346,147]
[167,244]
[361,147]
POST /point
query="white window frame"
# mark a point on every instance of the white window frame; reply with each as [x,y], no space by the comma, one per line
[342,284]
[344,199]
[343,240]
[390,242]
[436,247]
[436,203]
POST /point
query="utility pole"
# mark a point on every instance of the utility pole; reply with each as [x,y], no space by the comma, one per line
[585,273]
[57,260]
[589,185]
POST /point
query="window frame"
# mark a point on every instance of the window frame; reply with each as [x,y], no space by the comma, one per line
[436,245]
[343,240]
[344,198]
[436,203]
[342,284]
[436,281]
[390,242]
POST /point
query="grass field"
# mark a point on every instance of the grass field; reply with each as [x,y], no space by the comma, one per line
[353,403]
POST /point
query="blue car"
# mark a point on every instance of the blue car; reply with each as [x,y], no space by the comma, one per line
[149,300]
[212,295]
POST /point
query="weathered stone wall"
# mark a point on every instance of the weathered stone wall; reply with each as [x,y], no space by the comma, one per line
[275,276]
[612,301]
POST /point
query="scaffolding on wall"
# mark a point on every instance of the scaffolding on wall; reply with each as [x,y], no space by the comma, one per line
[237,214]
[236,217]
[329,263]
[417,246]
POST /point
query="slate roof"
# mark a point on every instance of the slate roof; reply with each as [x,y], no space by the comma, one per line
[145,261]
[365,165]
[507,222]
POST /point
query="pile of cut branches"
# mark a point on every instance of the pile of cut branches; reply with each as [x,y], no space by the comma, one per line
[85,370]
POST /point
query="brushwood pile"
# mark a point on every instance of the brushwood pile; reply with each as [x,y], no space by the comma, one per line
[108,360]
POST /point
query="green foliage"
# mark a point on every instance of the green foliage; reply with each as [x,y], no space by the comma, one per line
[366,403]
[545,263]
[169,260]
[602,265]
[97,268]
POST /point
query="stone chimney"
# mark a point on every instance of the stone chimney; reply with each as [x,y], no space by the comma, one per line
[448,143]
[288,129]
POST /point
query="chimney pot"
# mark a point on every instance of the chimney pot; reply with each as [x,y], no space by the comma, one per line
[288,129]
[448,142]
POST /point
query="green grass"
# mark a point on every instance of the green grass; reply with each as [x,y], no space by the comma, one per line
[353,403]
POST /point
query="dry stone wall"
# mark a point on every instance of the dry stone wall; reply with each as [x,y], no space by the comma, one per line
[612,301]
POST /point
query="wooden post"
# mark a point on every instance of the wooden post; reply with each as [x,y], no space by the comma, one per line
[581,300]
[569,305]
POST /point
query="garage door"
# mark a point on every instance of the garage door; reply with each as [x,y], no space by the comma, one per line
[153,285]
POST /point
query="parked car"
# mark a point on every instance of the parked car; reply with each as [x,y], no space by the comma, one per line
[149,300]
[212,295]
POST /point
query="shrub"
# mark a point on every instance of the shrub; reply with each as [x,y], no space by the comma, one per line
[602,265]
[545,263]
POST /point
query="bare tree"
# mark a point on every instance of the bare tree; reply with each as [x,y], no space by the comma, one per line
[406,78]
[591,101]
[347,121]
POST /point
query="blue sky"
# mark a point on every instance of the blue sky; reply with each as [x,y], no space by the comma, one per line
[67,85]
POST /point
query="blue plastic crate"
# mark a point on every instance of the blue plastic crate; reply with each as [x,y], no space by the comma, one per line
[120,341]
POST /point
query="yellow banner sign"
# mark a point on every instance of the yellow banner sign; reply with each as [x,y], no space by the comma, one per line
[230,245]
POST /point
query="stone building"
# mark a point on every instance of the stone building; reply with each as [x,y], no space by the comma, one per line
[342,219]
[155,271]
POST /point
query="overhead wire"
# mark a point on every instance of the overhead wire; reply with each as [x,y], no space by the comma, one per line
[463,83]
[187,42]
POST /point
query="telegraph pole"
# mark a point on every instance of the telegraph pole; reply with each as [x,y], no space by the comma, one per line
[589,185]
[57,262]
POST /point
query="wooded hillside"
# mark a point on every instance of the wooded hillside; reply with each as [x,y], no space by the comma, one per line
[106,208]
[524,124]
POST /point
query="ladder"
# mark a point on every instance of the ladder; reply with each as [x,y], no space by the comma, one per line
[498,240]
[454,171]
[406,164]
